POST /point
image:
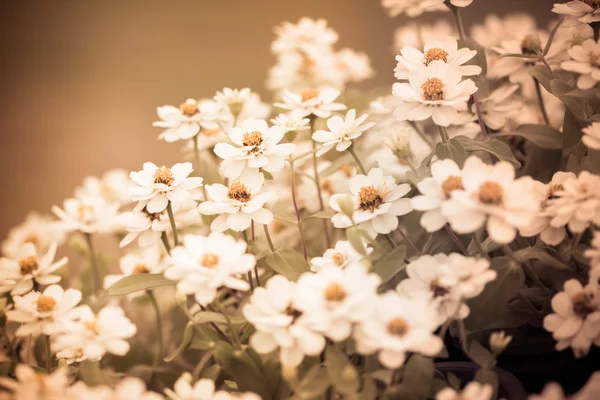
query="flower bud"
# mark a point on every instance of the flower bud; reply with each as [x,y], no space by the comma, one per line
[499,341]
[531,45]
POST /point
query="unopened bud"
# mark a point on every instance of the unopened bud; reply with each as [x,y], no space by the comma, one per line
[531,45]
[399,144]
[499,341]
[346,205]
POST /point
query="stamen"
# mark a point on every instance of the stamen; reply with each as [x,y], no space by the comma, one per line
[163,175]
[436,54]
[433,89]
[491,193]
[370,198]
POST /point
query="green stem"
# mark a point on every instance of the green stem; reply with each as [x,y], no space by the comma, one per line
[409,242]
[200,366]
[165,240]
[545,62]
[96,278]
[245,235]
[478,245]
[540,99]
[198,162]
[173,226]
[236,336]
[390,241]
[215,326]
[313,118]
[296,209]
[159,335]
[357,160]
[268,236]
[456,240]
[443,134]
[48,353]
[459,23]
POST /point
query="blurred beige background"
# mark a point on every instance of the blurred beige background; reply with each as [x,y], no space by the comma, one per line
[80,79]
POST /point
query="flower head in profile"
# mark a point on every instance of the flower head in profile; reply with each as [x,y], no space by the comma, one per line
[355,66]
[436,90]
[578,11]
[591,136]
[472,391]
[31,267]
[203,389]
[33,385]
[377,203]
[318,102]
[39,230]
[234,98]
[157,186]
[341,256]
[204,264]
[279,325]
[238,204]
[307,36]
[585,60]
[43,312]
[293,121]
[114,186]
[342,131]
[255,146]
[87,215]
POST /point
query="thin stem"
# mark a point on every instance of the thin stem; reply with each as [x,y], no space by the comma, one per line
[576,240]
[48,353]
[478,245]
[200,366]
[477,103]
[456,240]
[165,240]
[462,333]
[419,131]
[268,236]
[198,162]
[526,267]
[236,336]
[545,62]
[443,134]
[245,235]
[296,209]
[159,335]
[409,242]
[538,91]
[459,23]
[255,265]
[596,28]
[219,331]
[173,226]
[357,160]
[390,241]
[96,279]
[313,118]
[413,168]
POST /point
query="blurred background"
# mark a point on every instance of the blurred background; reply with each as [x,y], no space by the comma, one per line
[81,79]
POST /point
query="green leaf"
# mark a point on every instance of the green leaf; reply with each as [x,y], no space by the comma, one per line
[204,317]
[286,262]
[369,390]
[267,175]
[576,105]
[551,37]
[418,375]
[90,373]
[390,265]
[354,236]
[188,334]
[538,253]
[342,374]
[138,282]
[222,353]
[543,136]
[492,146]
[543,76]
[571,130]
[453,150]
[318,214]
[314,383]
[518,55]
[247,374]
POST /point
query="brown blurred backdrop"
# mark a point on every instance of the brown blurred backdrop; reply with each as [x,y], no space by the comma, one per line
[80,79]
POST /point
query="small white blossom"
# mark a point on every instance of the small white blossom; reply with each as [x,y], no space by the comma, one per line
[472,391]
[317,102]
[355,66]
[39,230]
[87,215]
[585,60]
[234,98]
[203,389]
[114,186]
[145,261]
[341,256]
[291,122]
[342,131]
[32,385]
[306,36]
[591,136]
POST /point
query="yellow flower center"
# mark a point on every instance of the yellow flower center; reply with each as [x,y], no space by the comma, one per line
[433,89]
[334,292]
[238,191]
[437,289]
[397,327]
[553,189]
[32,238]
[164,175]
[327,186]
[451,184]
[370,198]
[45,304]
[436,54]
[309,94]
[582,304]
[339,259]
[491,193]
[28,264]
[209,260]
[253,138]
[189,108]
[140,269]
[152,216]
[211,132]
[92,326]
[85,212]
[347,170]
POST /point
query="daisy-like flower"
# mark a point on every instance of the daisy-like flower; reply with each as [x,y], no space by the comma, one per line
[87,215]
[591,136]
[575,322]
[32,385]
[256,146]
[396,326]
[342,131]
[472,391]
[500,106]
[377,203]
[497,29]
[147,261]
[585,60]
[414,8]
[291,122]
[491,194]
[415,35]
[341,256]
[318,102]
[129,388]
[114,186]
[355,66]
[43,312]
[436,91]
[234,98]
[204,264]
[593,253]
[39,230]
[578,11]
[237,205]
[306,36]
[446,177]
[186,121]
[279,324]
[204,389]
[156,187]
[31,267]
[445,50]
[446,281]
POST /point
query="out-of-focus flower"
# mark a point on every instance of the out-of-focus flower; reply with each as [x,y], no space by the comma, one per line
[553,391]
[472,391]
[578,11]
[585,60]
[129,388]
[317,102]
[591,136]
[87,215]
[203,389]
[113,186]
[341,256]
[291,122]
[415,35]
[32,385]
[39,230]
[307,36]
[414,8]
[342,131]
[355,66]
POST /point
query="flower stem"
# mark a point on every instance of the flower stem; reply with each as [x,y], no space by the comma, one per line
[236,336]
[255,265]
[296,209]
[198,162]
[200,366]
[409,242]
[96,279]
[459,23]
[390,241]
[173,226]
[215,326]
[159,335]
[478,245]
[268,236]
[443,134]
[48,353]
[456,240]
[9,346]
[357,160]
[313,118]
[165,240]
[538,91]
[245,235]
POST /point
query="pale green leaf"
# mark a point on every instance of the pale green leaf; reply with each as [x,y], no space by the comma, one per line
[90,373]
[453,150]
[188,334]
[138,282]
[318,214]
[343,374]
[390,265]
[576,105]
[543,76]
[492,146]
[356,240]
[551,37]
[286,262]
[543,136]
[571,130]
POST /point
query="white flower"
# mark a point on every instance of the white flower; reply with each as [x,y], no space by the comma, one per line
[279,325]
[342,131]
[335,183]
[436,91]
[129,388]
[397,326]
[146,261]
[114,186]
[585,60]
[496,29]
[416,35]
[414,8]
[159,186]
[334,299]
[43,312]
[87,215]
[576,319]
[341,256]
[91,336]
[32,385]
[237,205]
[591,136]
[500,106]
[446,177]
[578,11]
[186,121]
[29,267]
[355,66]
[593,253]
[204,264]
[39,230]
[472,391]
[446,281]
[255,146]
[203,389]
[377,202]
[307,36]
[491,193]
[317,102]
[234,98]
[445,50]
[293,121]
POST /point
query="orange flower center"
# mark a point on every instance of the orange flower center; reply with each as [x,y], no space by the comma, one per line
[433,89]
[164,175]
[370,198]
[238,191]
[209,260]
[491,193]
[397,327]
[335,292]
[451,184]
[189,108]
[436,54]
[28,264]
[45,304]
